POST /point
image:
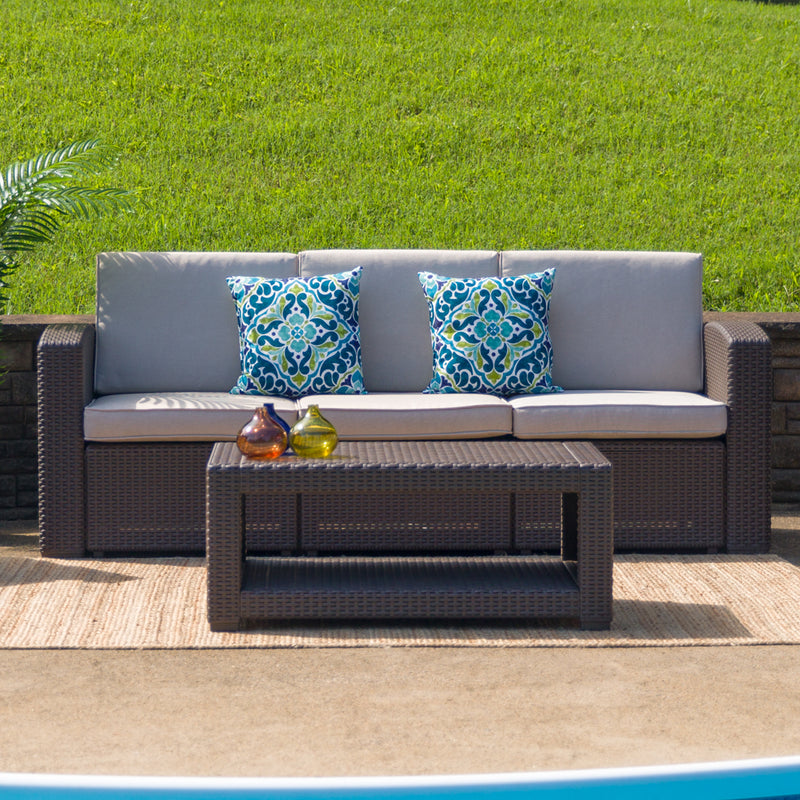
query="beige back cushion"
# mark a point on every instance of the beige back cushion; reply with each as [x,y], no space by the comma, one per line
[166,321]
[619,320]
[396,350]
[622,320]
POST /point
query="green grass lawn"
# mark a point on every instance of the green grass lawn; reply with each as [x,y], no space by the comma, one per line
[271,125]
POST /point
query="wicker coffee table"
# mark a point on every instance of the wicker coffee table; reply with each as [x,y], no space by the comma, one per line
[350,531]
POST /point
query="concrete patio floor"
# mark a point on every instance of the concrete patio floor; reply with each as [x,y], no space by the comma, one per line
[394,711]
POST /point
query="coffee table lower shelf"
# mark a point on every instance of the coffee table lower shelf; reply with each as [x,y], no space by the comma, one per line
[401,587]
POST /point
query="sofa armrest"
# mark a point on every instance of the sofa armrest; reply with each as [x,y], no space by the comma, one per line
[65,368]
[738,372]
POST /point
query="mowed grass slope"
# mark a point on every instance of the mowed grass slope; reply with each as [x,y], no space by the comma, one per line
[271,125]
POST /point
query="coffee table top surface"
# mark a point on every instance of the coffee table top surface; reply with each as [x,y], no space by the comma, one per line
[429,453]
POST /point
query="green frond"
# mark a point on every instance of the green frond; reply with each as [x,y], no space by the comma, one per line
[37,195]
[64,154]
[22,232]
[83,202]
[83,158]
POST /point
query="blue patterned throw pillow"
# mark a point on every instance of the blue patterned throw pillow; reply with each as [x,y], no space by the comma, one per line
[298,336]
[490,335]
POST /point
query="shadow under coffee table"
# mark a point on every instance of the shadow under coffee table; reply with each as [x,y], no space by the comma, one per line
[334,519]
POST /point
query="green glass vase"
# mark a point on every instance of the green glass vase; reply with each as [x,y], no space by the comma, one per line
[313,436]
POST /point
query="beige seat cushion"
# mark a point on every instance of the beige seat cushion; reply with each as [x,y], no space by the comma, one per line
[218,416]
[413,415]
[594,414]
[175,416]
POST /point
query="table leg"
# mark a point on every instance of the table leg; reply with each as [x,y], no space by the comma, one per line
[569,526]
[596,553]
[224,554]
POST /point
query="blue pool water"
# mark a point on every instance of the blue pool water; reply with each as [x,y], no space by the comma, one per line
[777,778]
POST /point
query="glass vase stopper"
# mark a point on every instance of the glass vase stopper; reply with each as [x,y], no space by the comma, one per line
[263,437]
[313,436]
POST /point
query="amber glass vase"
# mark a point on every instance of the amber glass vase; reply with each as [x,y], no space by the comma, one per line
[313,436]
[263,436]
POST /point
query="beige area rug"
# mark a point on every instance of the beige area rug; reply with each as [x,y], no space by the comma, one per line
[160,604]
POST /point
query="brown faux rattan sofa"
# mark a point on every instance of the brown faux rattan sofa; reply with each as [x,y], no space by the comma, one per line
[129,408]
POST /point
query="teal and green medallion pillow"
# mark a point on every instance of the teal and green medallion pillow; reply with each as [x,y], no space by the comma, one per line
[298,336]
[490,335]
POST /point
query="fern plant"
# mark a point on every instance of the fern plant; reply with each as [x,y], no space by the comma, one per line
[38,195]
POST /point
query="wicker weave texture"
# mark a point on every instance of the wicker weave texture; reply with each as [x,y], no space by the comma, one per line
[150,498]
[400,588]
[145,497]
[739,373]
[668,495]
[409,521]
[64,386]
[578,584]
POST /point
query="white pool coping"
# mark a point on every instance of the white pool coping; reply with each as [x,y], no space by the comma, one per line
[728,780]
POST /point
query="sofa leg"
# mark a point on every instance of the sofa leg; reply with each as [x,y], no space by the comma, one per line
[60,545]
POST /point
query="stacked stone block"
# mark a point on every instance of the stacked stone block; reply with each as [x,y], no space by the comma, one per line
[785,337]
[18,481]
[784,333]
[18,468]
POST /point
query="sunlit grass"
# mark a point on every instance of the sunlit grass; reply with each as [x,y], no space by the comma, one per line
[618,124]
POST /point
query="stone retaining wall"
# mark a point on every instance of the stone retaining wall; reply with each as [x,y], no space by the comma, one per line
[784,333]
[19,335]
[18,474]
